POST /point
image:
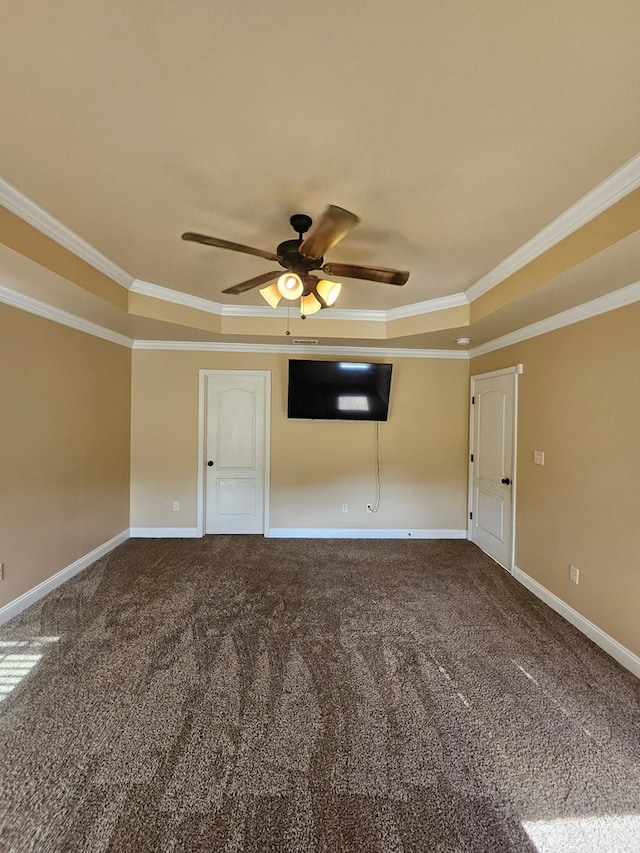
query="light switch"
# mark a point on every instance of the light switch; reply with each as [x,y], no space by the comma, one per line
[538,457]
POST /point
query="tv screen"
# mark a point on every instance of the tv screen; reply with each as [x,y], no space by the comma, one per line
[339,390]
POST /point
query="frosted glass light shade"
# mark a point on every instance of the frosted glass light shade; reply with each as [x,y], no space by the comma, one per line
[309,305]
[290,286]
[329,290]
[271,295]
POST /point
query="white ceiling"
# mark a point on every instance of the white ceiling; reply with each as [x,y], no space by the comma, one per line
[456,131]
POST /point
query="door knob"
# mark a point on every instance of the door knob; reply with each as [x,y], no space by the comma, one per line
[505,480]
[210,463]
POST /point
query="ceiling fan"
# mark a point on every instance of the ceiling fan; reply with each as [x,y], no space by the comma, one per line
[301,257]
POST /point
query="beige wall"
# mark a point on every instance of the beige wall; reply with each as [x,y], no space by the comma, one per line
[580,404]
[423,447]
[64,433]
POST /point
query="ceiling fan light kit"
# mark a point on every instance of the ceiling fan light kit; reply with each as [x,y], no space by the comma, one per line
[300,257]
[290,286]
[328,291]
[271,295]
[309,305]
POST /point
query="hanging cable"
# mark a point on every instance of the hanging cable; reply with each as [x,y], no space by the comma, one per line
[376,506]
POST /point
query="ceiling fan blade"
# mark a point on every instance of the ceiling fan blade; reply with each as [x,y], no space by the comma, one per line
[254,282]
[380,274]
[227,244]
[328,230]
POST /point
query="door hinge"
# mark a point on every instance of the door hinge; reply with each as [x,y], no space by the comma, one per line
[470,515]
[472,457]
[473,400]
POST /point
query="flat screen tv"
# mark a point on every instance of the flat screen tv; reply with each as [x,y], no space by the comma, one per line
[338,390]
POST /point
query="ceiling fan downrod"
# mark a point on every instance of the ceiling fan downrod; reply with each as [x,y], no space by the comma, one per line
[300,223]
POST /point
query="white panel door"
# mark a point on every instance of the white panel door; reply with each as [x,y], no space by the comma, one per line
[235,452]
[492,467]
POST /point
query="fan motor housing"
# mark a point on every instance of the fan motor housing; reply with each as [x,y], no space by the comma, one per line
[292,260]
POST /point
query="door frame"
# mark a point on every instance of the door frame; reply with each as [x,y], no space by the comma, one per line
[516,369]
[202,441]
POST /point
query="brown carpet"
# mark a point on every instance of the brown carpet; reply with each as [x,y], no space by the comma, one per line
[244,694]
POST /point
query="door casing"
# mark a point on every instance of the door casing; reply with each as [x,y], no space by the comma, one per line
[516,370]
[202,441]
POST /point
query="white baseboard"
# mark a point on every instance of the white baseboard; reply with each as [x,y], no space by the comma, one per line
[612,647]
[361,533]
[13,608]
[165,533]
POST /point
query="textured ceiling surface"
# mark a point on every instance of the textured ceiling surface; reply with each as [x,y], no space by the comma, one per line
[456,131]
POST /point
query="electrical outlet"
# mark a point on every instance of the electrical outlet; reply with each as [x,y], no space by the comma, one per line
[369,508]
[574,574]
[176,506]
[345,507]
[538,457]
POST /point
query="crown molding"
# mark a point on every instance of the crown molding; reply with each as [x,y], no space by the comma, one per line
[41,309]
[440,303]
[26,209]
[609,302]
[352,314]
[57,315]
[177,297]
[603,304]
[199,303]
[622,182]
[273,349]
[618,185]
[285,311]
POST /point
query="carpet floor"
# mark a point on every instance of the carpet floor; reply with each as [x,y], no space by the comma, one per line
[251,695]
